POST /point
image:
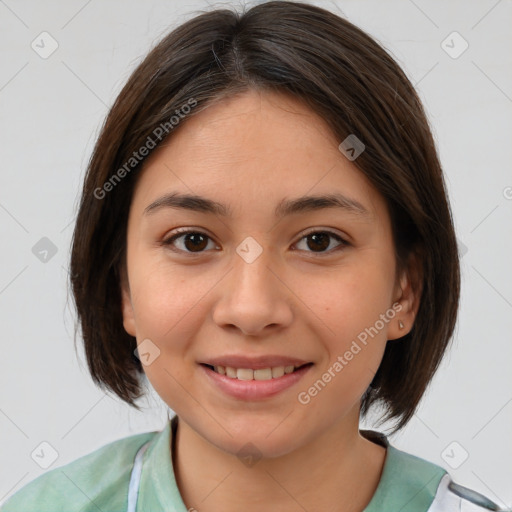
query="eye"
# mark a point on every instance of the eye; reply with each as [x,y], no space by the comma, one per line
[193,241]
[321,240]
[197,241]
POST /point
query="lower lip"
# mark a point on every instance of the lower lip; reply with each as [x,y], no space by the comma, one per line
[254,389]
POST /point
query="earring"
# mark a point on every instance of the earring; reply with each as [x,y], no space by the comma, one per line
[400,324]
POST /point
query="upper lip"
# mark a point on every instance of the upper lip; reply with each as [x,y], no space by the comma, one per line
[268,361]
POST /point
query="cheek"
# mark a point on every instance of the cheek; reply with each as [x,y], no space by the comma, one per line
[166,305]
[354,345]
[352,317]
[350,299]
[164,300]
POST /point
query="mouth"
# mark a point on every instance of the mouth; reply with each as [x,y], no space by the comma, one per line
[264,382]
[260,374]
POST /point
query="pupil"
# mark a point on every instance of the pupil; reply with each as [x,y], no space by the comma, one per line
[195,238]
[197,241]
[320,237]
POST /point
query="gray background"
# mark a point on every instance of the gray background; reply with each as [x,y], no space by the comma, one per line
[51,111]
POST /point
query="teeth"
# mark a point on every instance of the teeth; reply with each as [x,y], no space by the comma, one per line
[278,371]
[231,372]
[244,374]
[260,374]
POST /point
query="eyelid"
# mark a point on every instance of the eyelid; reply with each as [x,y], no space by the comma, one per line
[178,232]
[342,239]
[330,231]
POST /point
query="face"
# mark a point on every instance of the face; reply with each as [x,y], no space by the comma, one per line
[259,284]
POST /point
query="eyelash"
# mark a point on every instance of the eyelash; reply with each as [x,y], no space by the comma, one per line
[180,233]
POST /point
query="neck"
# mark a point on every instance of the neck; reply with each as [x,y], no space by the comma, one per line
[338,470]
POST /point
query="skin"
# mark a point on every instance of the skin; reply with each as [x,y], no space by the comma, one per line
[249,152]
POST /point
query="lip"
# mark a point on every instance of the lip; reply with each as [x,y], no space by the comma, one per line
[253,389]
[255,363]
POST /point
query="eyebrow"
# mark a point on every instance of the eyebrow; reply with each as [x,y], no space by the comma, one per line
[284,208]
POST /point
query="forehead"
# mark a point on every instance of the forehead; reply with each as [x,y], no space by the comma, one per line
[253,150]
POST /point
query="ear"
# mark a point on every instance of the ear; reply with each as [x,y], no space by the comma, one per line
[126,303]
[406,298]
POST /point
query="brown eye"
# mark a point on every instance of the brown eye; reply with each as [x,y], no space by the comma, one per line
[192,241]
[197,242]
[319,241]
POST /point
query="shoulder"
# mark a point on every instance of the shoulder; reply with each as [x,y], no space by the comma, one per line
[414,484]
[451,496]
[96,481]
[446,495]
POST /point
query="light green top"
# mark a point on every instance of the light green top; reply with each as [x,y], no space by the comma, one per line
[99,481]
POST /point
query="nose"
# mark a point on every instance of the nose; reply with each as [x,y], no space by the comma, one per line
[254,298]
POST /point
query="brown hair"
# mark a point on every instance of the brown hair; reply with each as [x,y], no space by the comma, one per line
[344,76]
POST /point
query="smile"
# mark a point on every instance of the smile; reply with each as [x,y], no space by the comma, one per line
[256,374]
[253,384]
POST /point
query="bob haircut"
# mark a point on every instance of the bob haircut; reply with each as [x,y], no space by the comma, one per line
[344,76]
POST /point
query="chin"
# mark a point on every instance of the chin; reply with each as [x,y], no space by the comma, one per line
[251,449]
[255,443]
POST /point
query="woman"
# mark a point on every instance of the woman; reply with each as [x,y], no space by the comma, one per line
[264,233]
